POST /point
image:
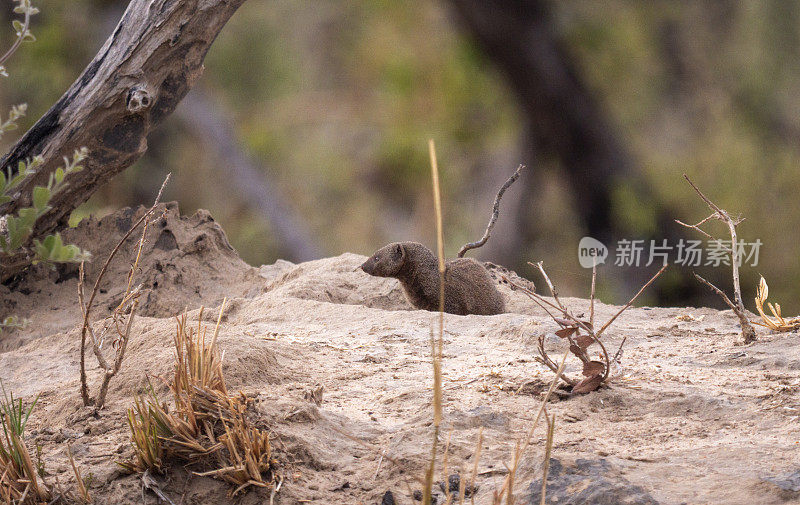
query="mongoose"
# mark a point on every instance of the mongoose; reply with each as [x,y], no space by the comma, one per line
[468,287]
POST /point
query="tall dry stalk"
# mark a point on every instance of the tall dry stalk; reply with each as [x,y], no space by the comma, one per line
[436,350]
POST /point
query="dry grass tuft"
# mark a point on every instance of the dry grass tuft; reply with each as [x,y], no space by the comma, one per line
[777,322]
[208,427]
[19,480]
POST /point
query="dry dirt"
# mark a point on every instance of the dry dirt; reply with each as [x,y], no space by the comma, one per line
[689,418]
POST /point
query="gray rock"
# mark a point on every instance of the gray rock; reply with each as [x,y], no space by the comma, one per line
[787,482]
[588,482]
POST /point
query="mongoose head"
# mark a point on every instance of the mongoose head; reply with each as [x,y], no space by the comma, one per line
[387,261]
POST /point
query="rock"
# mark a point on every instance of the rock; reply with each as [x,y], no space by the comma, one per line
[587,482]
[388,499]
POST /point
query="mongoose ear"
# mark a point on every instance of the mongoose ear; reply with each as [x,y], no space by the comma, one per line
[398,253]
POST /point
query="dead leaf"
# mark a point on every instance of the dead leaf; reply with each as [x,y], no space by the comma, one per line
[588,384]
[579,352]
[566,332]
[584,341]
[593,368]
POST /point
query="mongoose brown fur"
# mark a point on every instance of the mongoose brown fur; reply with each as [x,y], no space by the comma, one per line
[468,287]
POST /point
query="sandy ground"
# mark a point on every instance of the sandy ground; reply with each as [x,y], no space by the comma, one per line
[689,418]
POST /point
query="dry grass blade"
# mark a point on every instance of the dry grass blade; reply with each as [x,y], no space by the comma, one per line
[462,491]
[522,445]
[437,353]
[777,322]
[83,492]
[551,425]
[19,479]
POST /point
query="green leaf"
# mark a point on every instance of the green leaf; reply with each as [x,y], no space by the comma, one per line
[41,195]
[70,252]
[20,226]
[59,175]
[18,26]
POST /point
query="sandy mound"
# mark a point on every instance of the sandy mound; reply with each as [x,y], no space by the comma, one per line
[187,262]
[691,419]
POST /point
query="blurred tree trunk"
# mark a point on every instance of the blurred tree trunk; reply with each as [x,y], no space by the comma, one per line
[565,121]
[146,67]
[211,124]
[562,117]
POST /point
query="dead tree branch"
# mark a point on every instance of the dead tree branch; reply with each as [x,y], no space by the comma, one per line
[495,214]
[129,298]
[580,334]
[748,332]
[147,65]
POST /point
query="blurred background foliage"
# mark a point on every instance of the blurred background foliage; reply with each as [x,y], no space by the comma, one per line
[333,102]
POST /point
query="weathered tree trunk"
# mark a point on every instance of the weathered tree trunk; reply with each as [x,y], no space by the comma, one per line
[146,66]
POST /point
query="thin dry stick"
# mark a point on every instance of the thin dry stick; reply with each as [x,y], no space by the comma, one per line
[551,424]
[495,214]
[748,332]
[120,355]
[618,354]
[591,298]
[561,306]
[630,302]
[124,336]
[86,308]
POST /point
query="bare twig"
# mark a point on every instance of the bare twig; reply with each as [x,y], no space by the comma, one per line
[120,355]
[591,297]
[495,213]
[22,34]
[87,307]
[618,354]
[748,332]
[571,327]
[630,302]
[718,291]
